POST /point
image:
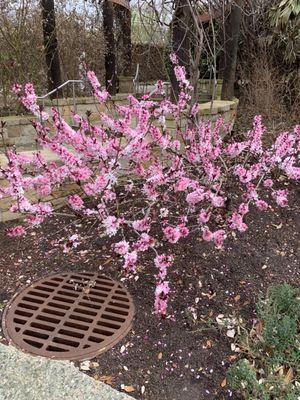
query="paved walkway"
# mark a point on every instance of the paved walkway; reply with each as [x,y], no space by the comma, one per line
[24,377]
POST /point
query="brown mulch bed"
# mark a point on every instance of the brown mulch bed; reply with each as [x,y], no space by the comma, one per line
[180,357]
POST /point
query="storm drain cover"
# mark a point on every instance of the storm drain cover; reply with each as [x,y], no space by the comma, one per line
[72,316]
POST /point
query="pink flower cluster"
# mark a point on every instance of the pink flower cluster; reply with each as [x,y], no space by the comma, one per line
[145,184]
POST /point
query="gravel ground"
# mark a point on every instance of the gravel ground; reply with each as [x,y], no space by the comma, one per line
[24,377]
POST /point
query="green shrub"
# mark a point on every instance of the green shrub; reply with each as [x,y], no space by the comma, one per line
[271,363]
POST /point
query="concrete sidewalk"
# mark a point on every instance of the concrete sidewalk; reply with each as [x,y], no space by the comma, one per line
[24,377]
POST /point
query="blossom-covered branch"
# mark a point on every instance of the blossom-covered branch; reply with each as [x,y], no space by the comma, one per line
[182,178]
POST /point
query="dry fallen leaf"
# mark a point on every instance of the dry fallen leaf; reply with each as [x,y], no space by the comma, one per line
[210,296]
[123,348]
[128,389]
[105,378]
[277,226]
[223,383]
[289,377]
[85,365]
[232,357]
[237,297]
[207,345]
[159,356]
[258,328]
[107,261]
[230,333]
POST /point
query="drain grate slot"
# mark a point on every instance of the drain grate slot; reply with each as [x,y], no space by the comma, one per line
[48,319]
[61,306]
[71,316]
[63,299]
[33,343]
[19,321]
[76,326]
[55,348]
[23,313]
[65,341]
[28,306]
[71,333]
[35,333]
[102,332]
[80,318]
[42,326]
[95,339]
[45,289]
[51,284]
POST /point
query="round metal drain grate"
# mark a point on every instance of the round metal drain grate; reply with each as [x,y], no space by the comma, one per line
[72,316]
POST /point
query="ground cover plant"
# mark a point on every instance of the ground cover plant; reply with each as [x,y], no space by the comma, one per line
[144,184]
[269,365]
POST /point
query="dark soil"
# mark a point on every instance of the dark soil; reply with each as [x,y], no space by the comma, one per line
[180,357]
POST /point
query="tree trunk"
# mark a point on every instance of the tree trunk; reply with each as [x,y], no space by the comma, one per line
[110,56]
[232,33]
[124,28]
[180,41]
[126,23]
[51,44]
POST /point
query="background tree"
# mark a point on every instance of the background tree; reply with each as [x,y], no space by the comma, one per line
[123,15]
[180,27]
[110,55]
[51,44]
[231,38]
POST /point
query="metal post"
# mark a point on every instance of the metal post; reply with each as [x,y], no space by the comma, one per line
[74,100]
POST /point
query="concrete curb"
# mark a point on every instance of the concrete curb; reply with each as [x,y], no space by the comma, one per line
[24,377]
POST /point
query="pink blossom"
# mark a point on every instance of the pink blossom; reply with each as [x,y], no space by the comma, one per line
[161,298]
[16,231]
[183,230]
[34,220]
[163,212]
[261,204]
[255,135]
[71,243]
[141,225]
[217,201]
[236,222]
[121,247]
[111,225]
[182,184]
[75,202]
[195,109]
[204,216]
[172,234]
[162,263]
[243,208]
[81,174]
[219,237]
[207,235]
[174,59]
[195,197]
[130,261]
[101,94]
[281,197]
[268,183]
[16,88]
[145,241]
[290,168]
[235,149]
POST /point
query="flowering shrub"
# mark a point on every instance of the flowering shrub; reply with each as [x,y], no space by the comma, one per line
[179,181]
